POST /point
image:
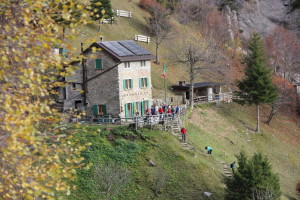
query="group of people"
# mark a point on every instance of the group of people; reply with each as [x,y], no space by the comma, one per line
[209,149]
[163,110]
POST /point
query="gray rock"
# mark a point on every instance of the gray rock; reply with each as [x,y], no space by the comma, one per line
[262,16]
[151,163]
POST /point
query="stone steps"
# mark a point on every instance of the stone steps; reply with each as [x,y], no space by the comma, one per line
[226,170]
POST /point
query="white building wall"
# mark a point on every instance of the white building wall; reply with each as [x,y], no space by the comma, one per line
[136,94]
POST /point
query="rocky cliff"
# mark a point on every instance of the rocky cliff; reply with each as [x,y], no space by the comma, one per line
[263,15]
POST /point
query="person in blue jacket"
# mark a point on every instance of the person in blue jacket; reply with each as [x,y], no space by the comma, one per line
[209,150]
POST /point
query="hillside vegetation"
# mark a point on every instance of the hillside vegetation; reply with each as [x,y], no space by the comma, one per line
[185,174]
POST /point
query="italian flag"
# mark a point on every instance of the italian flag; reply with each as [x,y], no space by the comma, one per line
[164,71]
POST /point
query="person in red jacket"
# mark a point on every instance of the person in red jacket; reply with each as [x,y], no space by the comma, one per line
[183,134]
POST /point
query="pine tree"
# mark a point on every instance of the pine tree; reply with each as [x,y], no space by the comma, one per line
[101,9]
[253,180]
[256,87]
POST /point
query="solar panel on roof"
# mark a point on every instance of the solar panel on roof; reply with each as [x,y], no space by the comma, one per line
[135,48]
[118,49]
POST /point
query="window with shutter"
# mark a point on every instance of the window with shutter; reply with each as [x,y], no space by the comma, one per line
[95,109]
[99,64]
[126,110]
[124,84]
[140,83]
[127,84]
[131,83]
[104,110]
[147,81]
[133,109]
[144,82]
[142,109]
[101,109]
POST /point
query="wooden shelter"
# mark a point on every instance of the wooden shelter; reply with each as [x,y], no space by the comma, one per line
[203,91]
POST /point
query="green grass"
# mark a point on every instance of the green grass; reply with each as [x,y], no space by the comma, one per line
[227,129]
[187,176]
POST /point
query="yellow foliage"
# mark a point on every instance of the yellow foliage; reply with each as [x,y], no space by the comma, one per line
[32,155]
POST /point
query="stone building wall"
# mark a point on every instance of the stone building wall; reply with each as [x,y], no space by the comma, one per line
[107,89]
[73,94]
[104,89]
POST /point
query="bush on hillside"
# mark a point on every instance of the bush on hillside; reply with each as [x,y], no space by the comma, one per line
[148,4]
[298,188]
[230,3]
[253,179]
[167,4]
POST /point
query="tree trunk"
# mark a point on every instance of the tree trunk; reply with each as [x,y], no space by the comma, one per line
[64,30]
[272,113]
[156,53]
[257,118]
[192,86]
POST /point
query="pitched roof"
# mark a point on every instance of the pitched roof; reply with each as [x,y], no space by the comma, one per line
[196,85]
[126,50]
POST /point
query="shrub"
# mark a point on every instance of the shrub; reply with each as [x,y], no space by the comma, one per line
[148,4]
[253,179]
[298,188]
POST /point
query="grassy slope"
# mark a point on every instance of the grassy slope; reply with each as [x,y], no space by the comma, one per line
[190,173]
[225,128]
[228,130]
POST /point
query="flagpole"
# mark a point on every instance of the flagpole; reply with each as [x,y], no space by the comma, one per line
[165,90]
[165,70]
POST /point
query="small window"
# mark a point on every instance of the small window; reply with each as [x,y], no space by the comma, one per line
[127,65]
[78,104]
[99,109]
[127,84]
[73,86]
[99,64]
[143,82]
[143,63]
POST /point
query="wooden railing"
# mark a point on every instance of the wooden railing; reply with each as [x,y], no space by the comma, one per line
[142,38]
[164,120]
[226,97]
[123,13]
[107,21]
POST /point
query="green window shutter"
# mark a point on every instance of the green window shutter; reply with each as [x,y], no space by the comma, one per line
[147,82]
[124,84]
[131,83]
[99,64]
[140,82]
[133,109]
[142,108]
[148,104]
[126,111]
[139,107]
[95,109]
[104,110]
